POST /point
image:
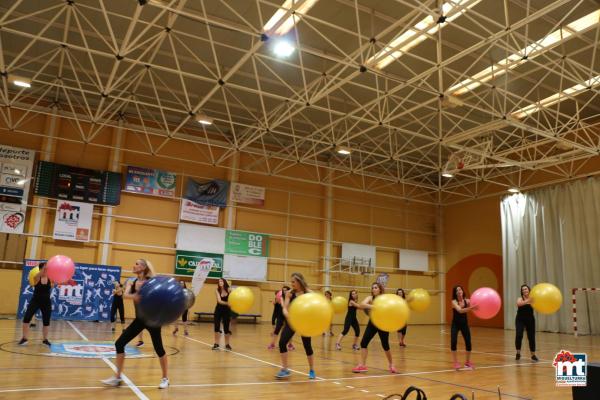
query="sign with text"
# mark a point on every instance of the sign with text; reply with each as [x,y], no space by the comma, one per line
[150,181]
[186,263]
[192,211]
[211,193]
[16,166]
[248,194]
[73,221]
[246,243]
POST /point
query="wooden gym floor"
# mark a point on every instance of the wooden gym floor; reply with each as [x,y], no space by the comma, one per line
[197,372]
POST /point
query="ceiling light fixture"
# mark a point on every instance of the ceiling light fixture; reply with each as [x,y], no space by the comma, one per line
[204,119]
[20,81]
[533,50]
[299,7]
[513,190]
[447,174]
[413,36]
[283,48]
[343,150]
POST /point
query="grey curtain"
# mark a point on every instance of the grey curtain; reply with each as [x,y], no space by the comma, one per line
[553,235]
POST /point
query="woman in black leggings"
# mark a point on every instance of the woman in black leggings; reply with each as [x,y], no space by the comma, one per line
[460,307]
[299,287]
[370,331]
[402,332]
[117,305]
[222,314]
[144,271]
[40,301]
[525,321]
[350,322]
[277,319]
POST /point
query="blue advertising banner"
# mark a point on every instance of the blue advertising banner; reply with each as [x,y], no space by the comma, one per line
[150,181]
[87,297]
[212,193]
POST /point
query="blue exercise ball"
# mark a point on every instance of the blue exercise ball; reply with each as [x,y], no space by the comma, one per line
[162,301]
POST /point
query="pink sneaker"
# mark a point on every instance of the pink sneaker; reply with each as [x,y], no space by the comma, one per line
[393,370]
[359,368]
[456,366]
[469,365]
[291,347]
[271,346]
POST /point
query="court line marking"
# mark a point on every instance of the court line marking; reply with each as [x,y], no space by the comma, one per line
[112,366]
[208,385]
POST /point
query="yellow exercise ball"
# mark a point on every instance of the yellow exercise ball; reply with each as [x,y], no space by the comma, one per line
[32,274]
[546,297]
[390,312]
[419,300]
[340,304]
[241,299]
[310,314]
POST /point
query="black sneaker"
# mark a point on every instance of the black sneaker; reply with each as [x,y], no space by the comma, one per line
[46,342]
[534,358]
[215,347]
[228,347]
[32,325]
[518,356]
[112,329]
[22,342]
[139,344]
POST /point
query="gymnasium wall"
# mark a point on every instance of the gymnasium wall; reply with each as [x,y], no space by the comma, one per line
[294,214]
[473,242]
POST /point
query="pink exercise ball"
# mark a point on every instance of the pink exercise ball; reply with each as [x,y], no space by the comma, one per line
[489,302]
[60,269]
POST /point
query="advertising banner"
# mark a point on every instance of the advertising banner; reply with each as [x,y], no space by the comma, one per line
[154,182]
[73,221]
[16,167]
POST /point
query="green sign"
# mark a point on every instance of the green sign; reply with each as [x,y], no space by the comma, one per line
[186,263]
[246,243]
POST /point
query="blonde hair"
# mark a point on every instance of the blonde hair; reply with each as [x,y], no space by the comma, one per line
[148,268]
[300,278]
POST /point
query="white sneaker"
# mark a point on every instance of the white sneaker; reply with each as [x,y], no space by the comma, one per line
[112,381]
[164,383]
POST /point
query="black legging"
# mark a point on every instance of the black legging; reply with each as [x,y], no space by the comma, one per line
[351,322]
[403,330]
[370,332]
[466,334]
[529,325]
[45,306]
[279,321]
[134,329]
[286,336]
[117,305]
[222,315]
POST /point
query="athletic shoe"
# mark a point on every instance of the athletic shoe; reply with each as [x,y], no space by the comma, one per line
[23,342]
[112,381]
[46,342]
[534,358]
[330,333]
[355,347]
[283,373]
[112,329]
[360,368]
[164,383]
[469,365]
[311,374]
[215,347]
[139,344]
[291,347]
[338,346]
[402,345]
[32,325]
[393,370]
[456,366]
[186,333]
[271,346]
[518,356]
[228,347]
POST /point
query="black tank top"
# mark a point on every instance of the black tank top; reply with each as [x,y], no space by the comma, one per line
[351,314]
[41,291]
[459,318]
[525,312]
[223,298]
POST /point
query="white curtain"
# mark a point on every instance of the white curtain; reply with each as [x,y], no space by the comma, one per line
[553,235]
